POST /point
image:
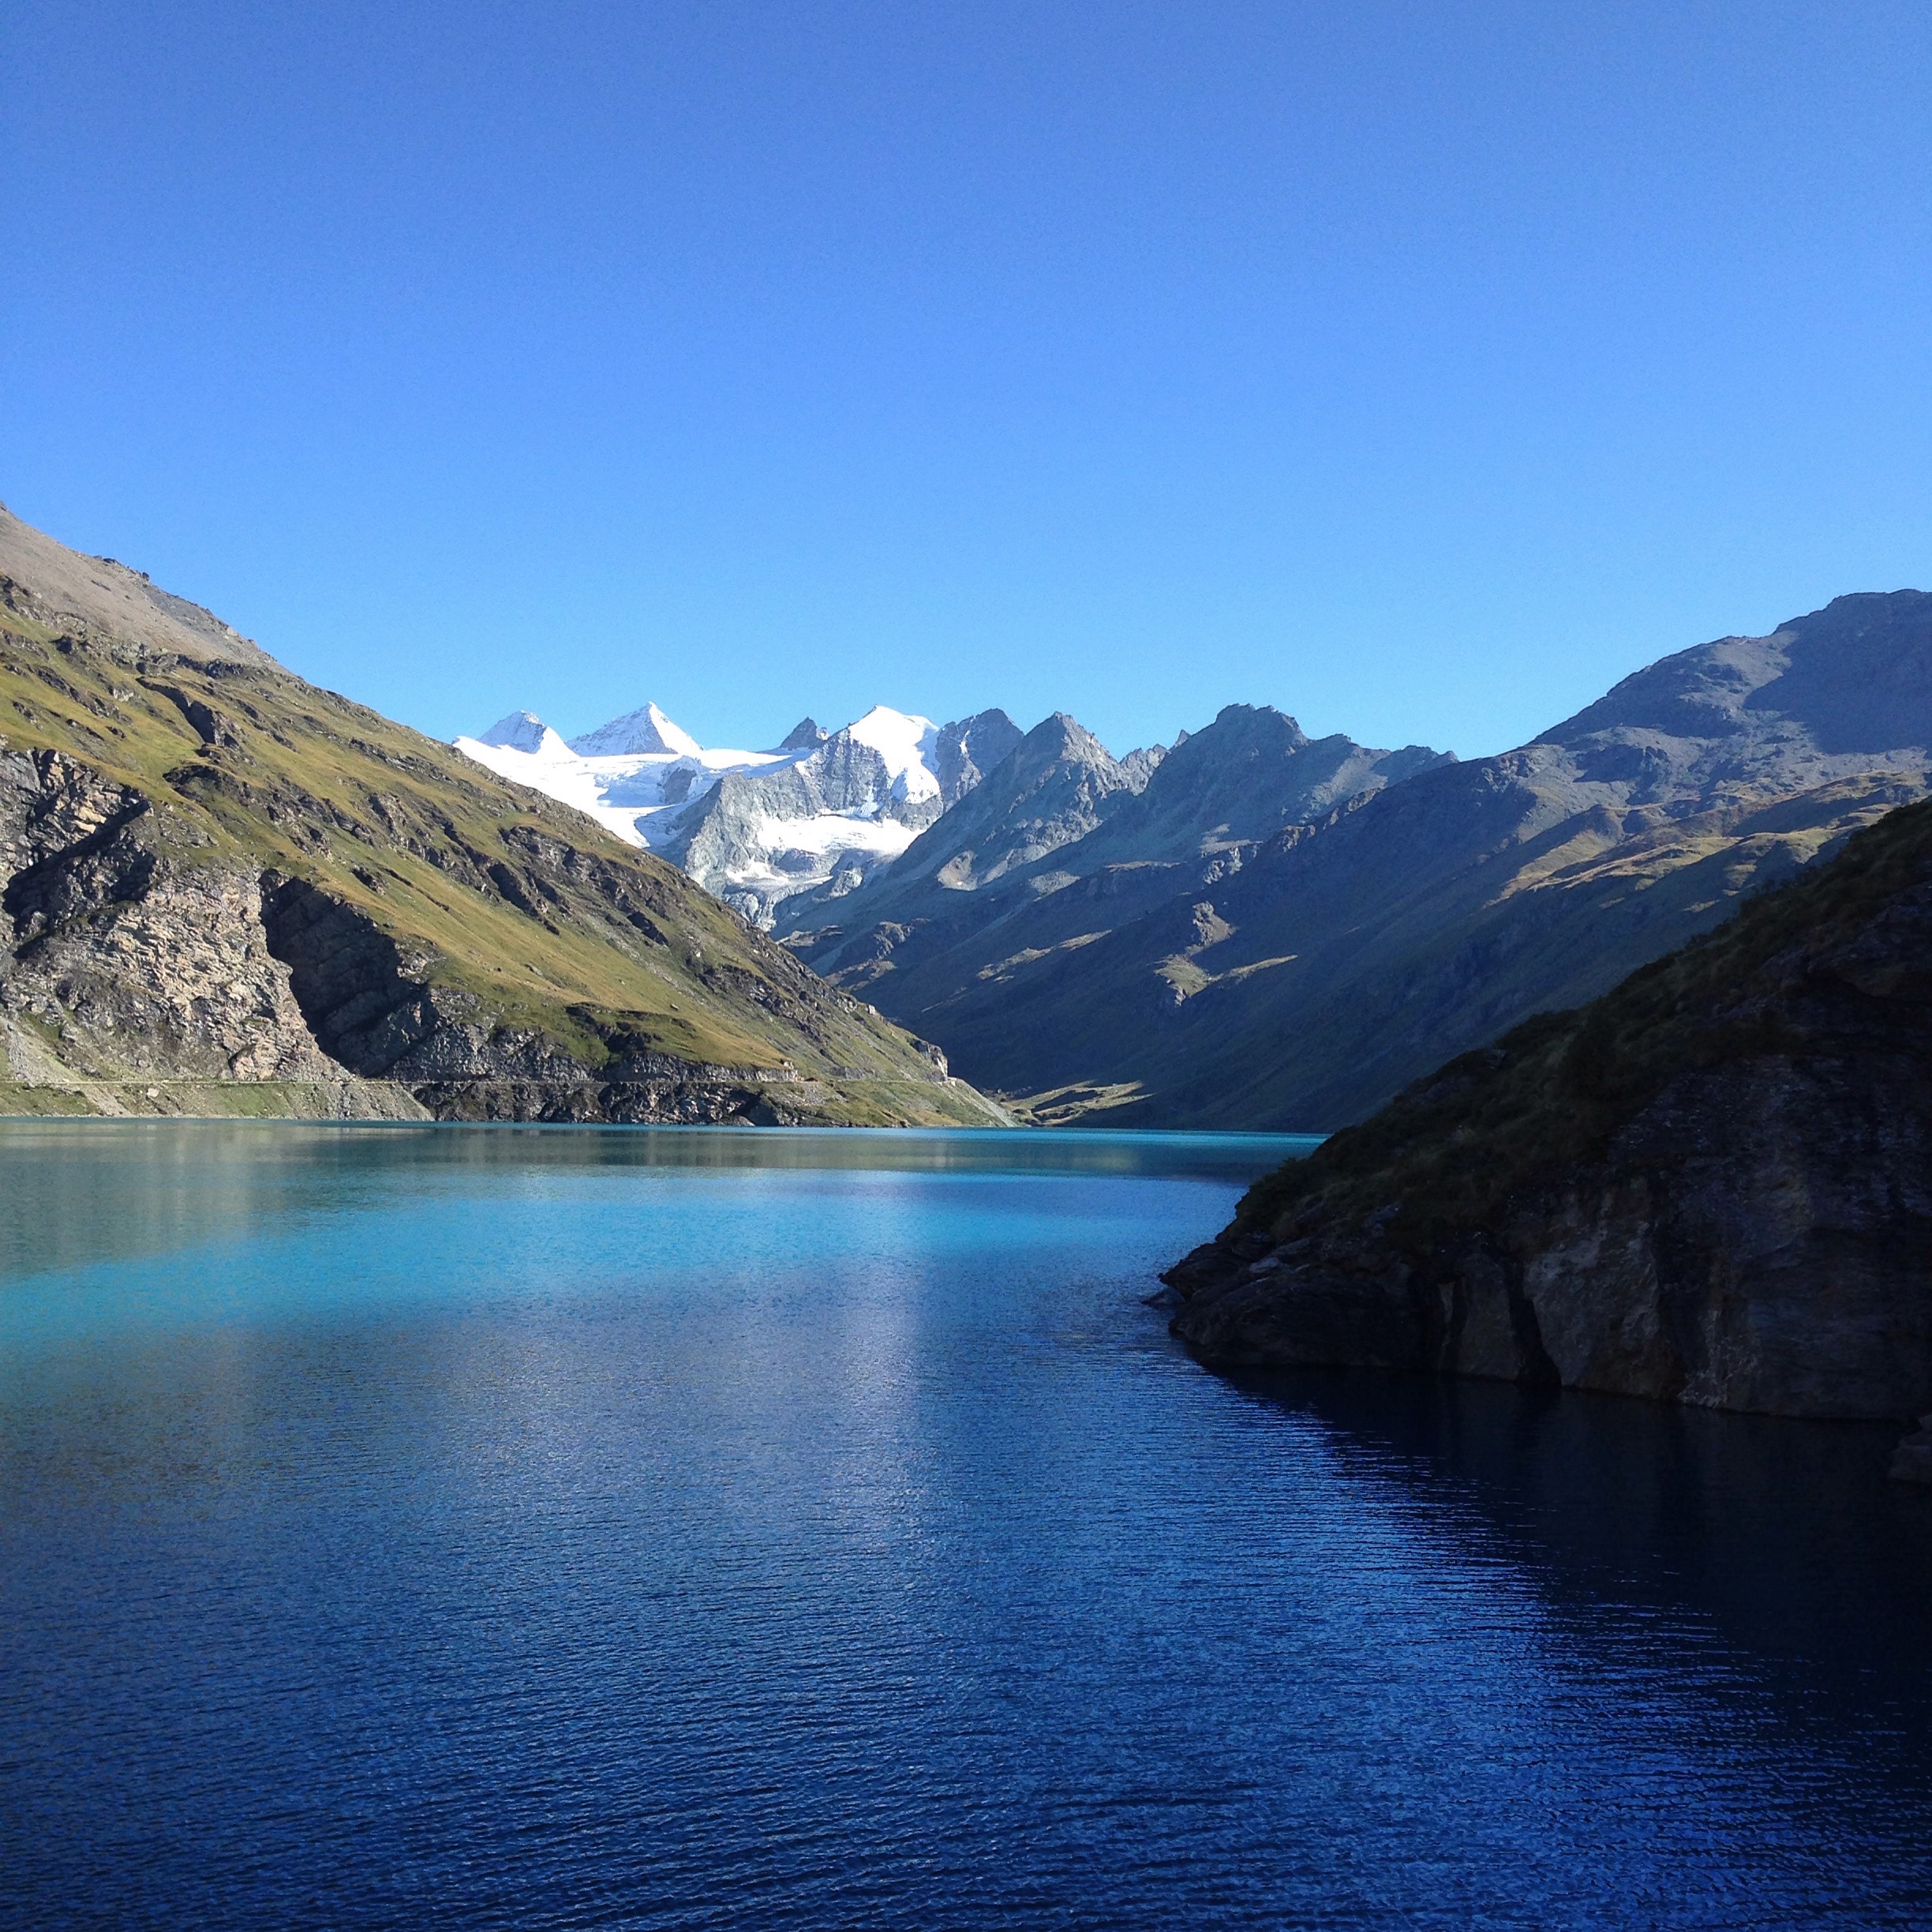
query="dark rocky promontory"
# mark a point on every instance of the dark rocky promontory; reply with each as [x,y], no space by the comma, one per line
[1712,1185]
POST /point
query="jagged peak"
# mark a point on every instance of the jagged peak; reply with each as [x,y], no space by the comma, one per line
[646,731]
[1060,735]
[970,747]
[804,736]
[993,718]
[1258,719]
[523,731]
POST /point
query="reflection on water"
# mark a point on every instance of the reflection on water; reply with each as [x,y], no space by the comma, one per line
[497,1530]
[1780,1539]
[80,1191]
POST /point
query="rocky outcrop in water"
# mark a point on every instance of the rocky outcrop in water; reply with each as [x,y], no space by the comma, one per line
[1711,1186]
[221,888]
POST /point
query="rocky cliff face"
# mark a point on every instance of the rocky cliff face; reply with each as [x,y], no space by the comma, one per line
[127,963]
[223,889]
[733,840]
[1711,1186]
[969,748]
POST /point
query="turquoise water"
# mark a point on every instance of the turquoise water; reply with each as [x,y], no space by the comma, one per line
[495,1527]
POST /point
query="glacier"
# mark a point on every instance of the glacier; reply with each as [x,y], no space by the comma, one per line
[824,809]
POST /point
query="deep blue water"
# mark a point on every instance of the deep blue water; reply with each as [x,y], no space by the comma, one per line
[498,1528]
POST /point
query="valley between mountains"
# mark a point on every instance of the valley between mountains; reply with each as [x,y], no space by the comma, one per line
[226,889]
[1253,928]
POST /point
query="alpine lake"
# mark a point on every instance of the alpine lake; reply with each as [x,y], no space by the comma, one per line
[498,1527]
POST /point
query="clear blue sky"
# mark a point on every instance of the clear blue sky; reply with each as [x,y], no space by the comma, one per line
[1421,368]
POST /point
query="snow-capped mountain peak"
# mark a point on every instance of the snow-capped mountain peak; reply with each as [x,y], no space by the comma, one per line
[755,827]
[524,731]
[646,731]
[908,744]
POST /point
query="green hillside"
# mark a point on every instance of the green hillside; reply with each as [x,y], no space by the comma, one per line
[572,957]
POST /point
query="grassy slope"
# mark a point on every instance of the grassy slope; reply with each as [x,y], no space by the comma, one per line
[324,789]
[1450,1151]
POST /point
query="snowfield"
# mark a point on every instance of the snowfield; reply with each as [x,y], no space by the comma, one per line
[753,827]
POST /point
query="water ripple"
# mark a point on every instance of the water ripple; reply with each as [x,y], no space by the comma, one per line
[545,1540]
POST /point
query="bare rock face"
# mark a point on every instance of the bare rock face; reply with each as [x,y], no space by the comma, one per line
[969,748]
[126,962]
[995,911]
[1712,1186]
[1050,789]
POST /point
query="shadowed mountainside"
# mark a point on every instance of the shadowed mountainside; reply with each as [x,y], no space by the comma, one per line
[1377,928]
[1062,845]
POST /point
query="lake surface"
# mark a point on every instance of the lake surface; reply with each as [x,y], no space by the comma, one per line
[478,1528]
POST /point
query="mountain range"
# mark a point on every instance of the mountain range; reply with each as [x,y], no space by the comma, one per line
[213,872]
[227,890]
[1256,928]
[1273,932]
[756,827]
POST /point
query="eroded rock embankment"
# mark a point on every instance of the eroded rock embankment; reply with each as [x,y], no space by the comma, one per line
[1712,1186]
[124,963]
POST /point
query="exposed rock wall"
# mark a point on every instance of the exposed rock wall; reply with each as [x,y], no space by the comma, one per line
[125,961]
[1760,1239]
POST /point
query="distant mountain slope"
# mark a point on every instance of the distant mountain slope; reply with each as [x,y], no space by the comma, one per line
[848,803]
[1003,897]
[1712,1185]
[1065,811]
[1053,788]
[226,889]
[1343,958]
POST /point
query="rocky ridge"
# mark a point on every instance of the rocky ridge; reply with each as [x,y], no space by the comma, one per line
[1010,899]
[828,818]
[224,889]
[1345,936]
[1712,1185]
